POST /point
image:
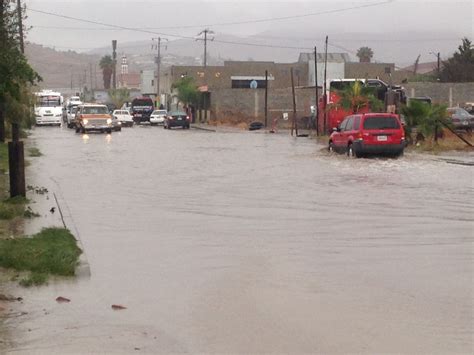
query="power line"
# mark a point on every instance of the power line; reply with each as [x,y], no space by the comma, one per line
[270,19]
[161,33]
[144,30]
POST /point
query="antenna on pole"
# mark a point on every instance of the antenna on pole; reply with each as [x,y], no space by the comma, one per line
[205,38]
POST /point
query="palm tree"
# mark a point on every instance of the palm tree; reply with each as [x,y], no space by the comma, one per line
[357,97]
[428,119]
[365,54]
[119,96]
[106,64]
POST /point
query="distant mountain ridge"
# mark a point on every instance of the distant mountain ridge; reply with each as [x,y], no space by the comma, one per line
[58,68]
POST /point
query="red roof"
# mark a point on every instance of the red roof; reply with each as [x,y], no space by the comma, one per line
[130,80]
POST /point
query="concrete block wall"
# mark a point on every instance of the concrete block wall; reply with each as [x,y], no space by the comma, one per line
[246,105]
[451,94]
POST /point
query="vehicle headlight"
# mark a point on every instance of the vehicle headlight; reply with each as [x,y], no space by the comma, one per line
[85,121]
[119,122]
[109,120]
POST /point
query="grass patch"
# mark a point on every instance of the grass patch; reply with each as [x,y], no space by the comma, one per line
[34,152]
[34,279]
[448,143]
[53,251]
[9,211]
[14,207]
[3,158]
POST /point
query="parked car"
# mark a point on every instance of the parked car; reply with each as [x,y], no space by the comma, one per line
[158,117]
[93,117]
[461,119]
[368,133]
[124,117]
[176,119]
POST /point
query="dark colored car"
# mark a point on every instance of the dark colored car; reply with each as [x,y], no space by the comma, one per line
[461,119]
[369,133]
[141,109]
[255,126]
[176,119]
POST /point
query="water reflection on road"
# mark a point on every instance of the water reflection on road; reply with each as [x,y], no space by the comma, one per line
[250,242]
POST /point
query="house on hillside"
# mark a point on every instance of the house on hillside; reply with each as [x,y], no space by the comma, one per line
[429,68]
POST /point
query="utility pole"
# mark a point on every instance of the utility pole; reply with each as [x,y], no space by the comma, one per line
[114,60]
[158,68]
[438,67]
[266,98]
[92,84]
[20,26]
[316,106]
[205,32]
[294,125]
[16,152]
[325,85]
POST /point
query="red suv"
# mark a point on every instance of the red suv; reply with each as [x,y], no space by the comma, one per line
[368,133]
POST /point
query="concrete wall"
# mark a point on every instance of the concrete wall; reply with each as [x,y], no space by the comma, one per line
[373,70]
[247,105]
[451,94]
[219,77]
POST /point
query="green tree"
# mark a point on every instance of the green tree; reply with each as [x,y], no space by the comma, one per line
[428,119]
[357,97]
[15,72]
[107,65]
[188,92]
[460,67]
[365,54]
[119,96]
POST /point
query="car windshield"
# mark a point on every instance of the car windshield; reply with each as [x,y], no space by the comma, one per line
[177,113]
[48,101]
[146,103]
[462,112]
[95,110]
[159,112]
[381,122]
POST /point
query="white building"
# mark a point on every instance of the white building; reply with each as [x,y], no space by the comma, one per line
[335,66]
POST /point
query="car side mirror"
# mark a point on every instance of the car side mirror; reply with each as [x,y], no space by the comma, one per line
[336,129]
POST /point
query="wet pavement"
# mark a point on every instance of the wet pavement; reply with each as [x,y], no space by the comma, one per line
[245,242]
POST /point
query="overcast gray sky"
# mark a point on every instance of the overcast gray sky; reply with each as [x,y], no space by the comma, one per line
[446,20]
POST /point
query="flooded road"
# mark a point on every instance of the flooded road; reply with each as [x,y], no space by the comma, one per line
[244,242]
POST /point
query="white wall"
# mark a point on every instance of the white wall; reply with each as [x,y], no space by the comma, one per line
[334,71]
[147,78]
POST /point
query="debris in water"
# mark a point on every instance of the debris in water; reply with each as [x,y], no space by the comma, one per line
[117,307]
[61,299]
[9,298]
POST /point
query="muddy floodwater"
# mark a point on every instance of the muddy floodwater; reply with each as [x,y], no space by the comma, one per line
[245,242]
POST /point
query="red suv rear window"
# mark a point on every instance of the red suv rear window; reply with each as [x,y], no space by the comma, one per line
[381,122]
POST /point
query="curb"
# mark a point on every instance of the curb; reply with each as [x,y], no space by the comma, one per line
[204,129]
[83,268]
